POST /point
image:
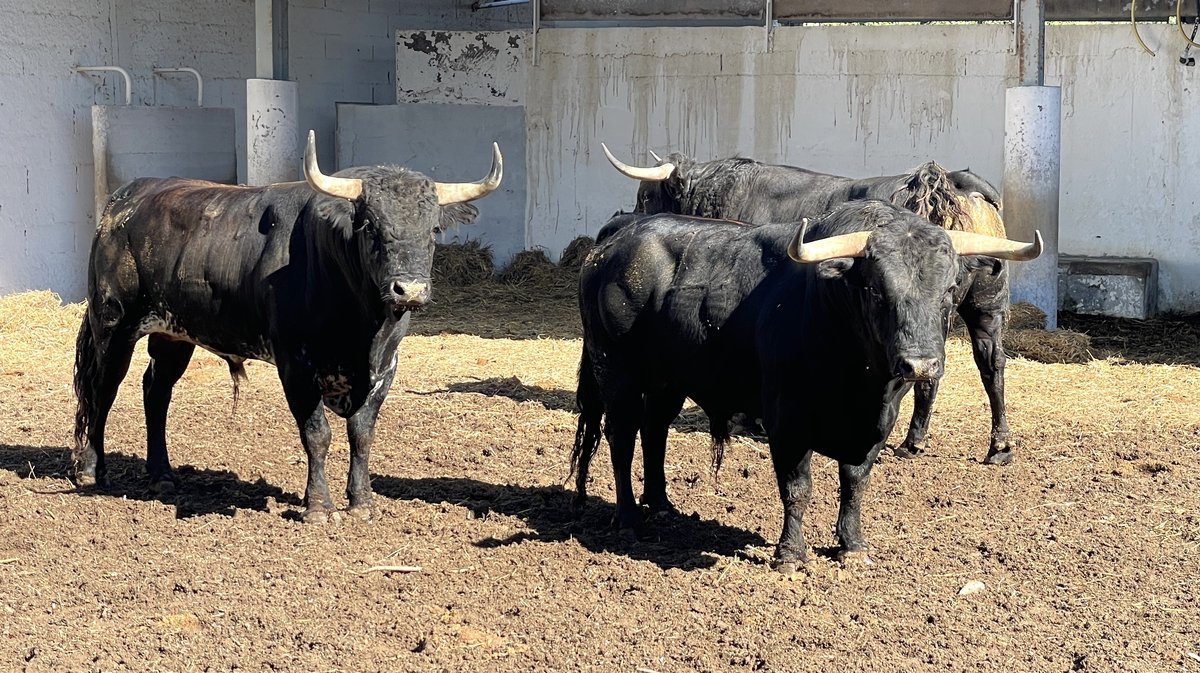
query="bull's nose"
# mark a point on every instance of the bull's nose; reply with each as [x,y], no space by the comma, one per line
[919,369]
[411,294]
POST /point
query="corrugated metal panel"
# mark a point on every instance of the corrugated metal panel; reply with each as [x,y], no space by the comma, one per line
[897,10]
[643,10]
[850,10]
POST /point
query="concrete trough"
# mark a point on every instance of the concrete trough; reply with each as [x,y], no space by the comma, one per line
[1120,287]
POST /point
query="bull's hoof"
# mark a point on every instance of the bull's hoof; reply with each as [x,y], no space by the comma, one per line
[364,513]
[786,568]
[908,451]
[660,507]
[578,503]
[320,516]
[998,458]
[854,557]
[85,480]
[163,486]
[627,536]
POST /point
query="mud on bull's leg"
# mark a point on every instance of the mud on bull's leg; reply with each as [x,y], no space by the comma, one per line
[793,472]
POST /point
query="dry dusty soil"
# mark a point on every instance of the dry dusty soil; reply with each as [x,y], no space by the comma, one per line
[1087,546]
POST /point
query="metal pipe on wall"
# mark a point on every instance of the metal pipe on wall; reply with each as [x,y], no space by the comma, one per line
[193,72]
[111,68]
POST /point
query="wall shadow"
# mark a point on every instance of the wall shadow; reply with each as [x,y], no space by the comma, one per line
[668,541]
[200,492]
[554,399]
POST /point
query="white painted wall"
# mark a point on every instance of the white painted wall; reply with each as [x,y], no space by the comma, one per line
[45,110]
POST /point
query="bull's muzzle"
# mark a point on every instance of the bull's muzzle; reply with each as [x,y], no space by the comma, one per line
[409,295]
[919,369]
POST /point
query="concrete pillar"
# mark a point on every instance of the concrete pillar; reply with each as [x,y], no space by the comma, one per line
[1031,167]
[273,139]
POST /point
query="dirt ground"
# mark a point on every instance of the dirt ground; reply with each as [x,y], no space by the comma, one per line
[1087,546]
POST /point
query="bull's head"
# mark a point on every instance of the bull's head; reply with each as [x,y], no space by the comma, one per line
[903,274]
[661,185]
[393,214]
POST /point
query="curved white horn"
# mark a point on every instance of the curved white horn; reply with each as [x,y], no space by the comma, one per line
[656,174]
[846,245]
[460,192]
[656,157]
[968,243]
[343,188]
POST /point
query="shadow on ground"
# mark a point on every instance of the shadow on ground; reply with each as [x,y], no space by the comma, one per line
[200,492]
[669,541]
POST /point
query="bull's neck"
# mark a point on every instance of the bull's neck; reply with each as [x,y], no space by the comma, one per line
[337,267]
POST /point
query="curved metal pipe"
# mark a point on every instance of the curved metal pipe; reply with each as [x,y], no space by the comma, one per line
[112,68]
[191,71]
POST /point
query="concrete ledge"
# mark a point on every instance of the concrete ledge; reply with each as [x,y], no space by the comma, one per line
[1120,287]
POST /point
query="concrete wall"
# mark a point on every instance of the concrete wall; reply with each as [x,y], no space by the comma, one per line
[344,51]
[415,135]
[46,196]
[138,141]
[866,100]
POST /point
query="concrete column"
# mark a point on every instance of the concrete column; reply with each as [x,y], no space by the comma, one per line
[1031,167]
[273,139]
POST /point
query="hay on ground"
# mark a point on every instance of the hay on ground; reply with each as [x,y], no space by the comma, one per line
[533,269]
[1023,315]
[575,252]
[1057,347]
[462,264]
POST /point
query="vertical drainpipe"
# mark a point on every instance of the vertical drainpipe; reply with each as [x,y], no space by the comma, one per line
[1032,120]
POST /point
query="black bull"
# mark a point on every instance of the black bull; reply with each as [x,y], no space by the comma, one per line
[749,191]
[820,335]
[318,277]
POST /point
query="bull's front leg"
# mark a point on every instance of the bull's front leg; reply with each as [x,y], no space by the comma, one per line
[304,400]
[794,477]
[360,428]
[853,480]
[918,428]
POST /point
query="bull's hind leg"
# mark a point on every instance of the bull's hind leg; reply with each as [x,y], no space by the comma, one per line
[102,355]
[304,400]
[621,429]
[985,327]
[660,410]
[168,360]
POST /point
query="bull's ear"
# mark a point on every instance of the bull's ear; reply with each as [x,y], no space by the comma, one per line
[990,265]
[339,214]
[455,214]
[832,269]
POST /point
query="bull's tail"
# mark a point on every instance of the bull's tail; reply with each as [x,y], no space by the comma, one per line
[237,376]
[589,404]
[719,429]
[85,375]
[930,193]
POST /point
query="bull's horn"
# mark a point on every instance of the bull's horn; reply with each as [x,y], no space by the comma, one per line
[461,192]
[656,174]
[968,243]
[655,155]
[342,188]
[846,245]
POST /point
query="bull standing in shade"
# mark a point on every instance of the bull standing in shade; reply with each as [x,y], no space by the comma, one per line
[318,277]
[820,330]
[749,191]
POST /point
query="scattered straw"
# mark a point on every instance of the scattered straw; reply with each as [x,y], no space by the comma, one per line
[392,569]
[1057,347]
[532,268]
